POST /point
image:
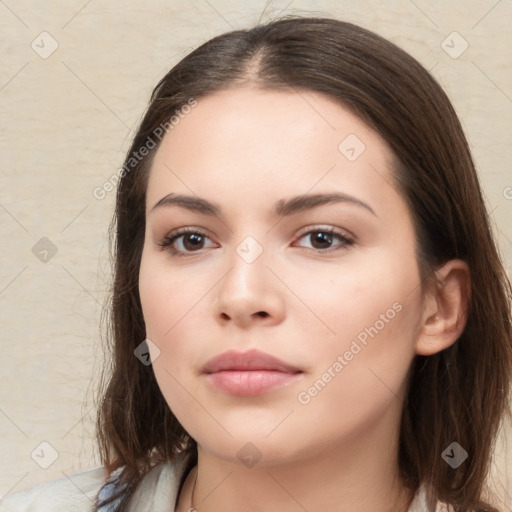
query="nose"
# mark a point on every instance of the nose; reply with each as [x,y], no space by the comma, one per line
[249,294]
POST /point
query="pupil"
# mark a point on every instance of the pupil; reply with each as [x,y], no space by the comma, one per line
[193,241]
[322,238]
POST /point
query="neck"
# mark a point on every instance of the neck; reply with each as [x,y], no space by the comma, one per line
[351,476]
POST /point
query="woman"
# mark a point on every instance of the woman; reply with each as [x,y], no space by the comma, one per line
[309,312]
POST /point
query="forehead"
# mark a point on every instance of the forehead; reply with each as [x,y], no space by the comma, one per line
[251,142]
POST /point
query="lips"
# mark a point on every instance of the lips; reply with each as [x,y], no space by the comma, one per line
[246,361]
[248,373]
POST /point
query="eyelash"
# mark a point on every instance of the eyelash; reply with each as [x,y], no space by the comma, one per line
[167,242]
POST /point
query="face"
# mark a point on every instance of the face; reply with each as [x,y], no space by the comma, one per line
[279,281]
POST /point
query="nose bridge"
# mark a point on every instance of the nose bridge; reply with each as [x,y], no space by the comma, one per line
[248,268]
[247,290]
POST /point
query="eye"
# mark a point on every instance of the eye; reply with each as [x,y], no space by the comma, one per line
[322,239]
[185,241]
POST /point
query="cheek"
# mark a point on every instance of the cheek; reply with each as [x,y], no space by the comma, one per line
[174,308]
[166,297]
[373,313]
[359,376]
[168,310]
[364,295]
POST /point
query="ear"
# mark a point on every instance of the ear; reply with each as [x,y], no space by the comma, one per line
[445,308]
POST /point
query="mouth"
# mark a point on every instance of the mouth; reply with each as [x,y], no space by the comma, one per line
[249,373]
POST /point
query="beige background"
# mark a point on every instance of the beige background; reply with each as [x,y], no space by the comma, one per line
[66,121]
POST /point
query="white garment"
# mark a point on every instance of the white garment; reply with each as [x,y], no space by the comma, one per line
[76,493]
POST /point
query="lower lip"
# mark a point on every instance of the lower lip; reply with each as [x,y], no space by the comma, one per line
[250,382]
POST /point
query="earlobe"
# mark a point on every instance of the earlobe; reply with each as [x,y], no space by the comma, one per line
[445,308]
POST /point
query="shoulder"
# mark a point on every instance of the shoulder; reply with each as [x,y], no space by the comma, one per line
[75,492]
[157,491]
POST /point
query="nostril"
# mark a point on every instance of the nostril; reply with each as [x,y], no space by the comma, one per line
[262,314]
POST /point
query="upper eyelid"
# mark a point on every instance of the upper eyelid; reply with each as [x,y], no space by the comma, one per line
[185,230]
[344,234]
[320,227]
[170,239]
[175,234]
[303,231]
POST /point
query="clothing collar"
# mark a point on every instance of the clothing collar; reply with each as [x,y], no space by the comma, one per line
[158,490]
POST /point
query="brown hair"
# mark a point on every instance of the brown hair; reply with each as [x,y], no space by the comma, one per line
[459,394]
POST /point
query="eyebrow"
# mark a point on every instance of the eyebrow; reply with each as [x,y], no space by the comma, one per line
[282,208]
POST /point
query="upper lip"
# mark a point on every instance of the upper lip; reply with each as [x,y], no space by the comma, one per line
[246,361]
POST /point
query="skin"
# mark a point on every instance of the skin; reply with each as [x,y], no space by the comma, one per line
[244,150]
